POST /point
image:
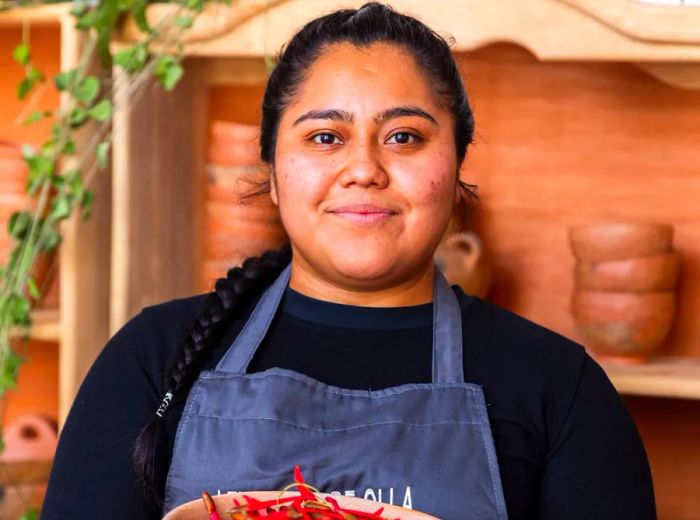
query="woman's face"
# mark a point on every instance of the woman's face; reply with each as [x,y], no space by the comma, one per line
[365,172]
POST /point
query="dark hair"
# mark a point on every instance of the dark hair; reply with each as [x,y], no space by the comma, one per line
[372,23]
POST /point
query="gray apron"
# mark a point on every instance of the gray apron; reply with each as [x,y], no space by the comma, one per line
[423,446]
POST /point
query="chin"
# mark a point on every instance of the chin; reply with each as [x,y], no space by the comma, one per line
[365,267]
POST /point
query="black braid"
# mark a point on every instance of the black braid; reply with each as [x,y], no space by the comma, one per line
[229,297]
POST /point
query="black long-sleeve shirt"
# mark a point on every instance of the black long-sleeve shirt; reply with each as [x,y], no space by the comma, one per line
[566,446]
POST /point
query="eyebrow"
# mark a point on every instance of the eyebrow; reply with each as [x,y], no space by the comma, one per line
[346,117]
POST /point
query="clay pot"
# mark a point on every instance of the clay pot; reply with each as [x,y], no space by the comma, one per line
[29,437]
[647,273]
[236,227]
[230,131]
[460,257]
[234,144]
[623,326]
[195,510]
[618,241]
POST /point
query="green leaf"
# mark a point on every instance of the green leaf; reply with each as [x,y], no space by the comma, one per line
[65,80]
[168,71]
[40,167]
[86,204]
[102,111]
[102,151]
[132,59]
[49,238]
[87,19]
[270,64]
[31,514]
[18,307]
[35,116]
[77,117]
[138,11]
[195,5]
[60,207]
[79,8]
[185,22]
[18,224]
[11,361]
[21,54]
[69,148]
[23,88]
[88,89]
[35,76]
[33,288]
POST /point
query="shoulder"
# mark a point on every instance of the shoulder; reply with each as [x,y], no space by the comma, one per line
[504,335]
[530,374]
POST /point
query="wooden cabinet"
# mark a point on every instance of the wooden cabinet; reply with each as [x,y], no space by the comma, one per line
[81,324]
[585,110]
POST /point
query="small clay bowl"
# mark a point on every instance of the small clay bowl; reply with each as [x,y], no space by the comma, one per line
[624,326]
[619,241]
[230,131]
[647,273]
[234,153]
[195,509]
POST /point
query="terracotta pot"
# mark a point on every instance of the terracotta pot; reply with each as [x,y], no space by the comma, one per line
[29,437]
[235,229]
[461,259]
[230,131]
[624,326]
[647,273]
[10,150]
[195,510]
[234,144]
[618,241]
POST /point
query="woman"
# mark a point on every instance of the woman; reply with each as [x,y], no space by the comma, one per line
[346,352]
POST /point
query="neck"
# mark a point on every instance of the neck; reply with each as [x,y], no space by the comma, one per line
[416,290]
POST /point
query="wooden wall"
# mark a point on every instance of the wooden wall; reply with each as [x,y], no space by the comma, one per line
[559,144]
[565,143]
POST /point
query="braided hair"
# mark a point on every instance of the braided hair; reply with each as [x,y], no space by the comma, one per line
[370,24]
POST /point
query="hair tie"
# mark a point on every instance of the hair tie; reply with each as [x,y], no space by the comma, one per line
[164,404]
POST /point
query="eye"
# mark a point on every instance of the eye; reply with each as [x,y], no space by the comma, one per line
[404,138]
[325,138]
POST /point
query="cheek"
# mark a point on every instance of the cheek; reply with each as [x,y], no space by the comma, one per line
[430,182]
[301,181]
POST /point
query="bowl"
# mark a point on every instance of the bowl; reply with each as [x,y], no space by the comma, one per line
[647,273]
[195,509]
[619,241]
[623,326]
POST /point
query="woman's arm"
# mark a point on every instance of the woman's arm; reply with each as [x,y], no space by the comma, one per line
[92,475]
[597,467]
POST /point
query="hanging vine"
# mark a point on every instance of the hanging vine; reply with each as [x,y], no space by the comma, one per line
[60,169]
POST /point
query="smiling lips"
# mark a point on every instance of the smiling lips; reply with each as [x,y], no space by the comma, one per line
[364,213]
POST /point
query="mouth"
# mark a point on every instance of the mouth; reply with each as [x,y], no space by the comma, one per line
[364,213]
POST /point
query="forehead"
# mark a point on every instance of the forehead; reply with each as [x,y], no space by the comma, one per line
[372,77]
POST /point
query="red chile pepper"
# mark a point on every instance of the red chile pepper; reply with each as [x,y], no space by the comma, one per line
[211,507]
[305,506]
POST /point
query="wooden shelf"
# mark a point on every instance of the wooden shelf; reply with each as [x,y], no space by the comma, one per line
[24,472]
[42,14]
[45,325]
[667,377]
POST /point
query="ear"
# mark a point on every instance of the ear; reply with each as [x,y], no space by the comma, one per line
[273,186]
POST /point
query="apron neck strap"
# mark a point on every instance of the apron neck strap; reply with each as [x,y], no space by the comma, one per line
[447,330]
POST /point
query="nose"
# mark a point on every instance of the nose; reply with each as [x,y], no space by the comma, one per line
[364,166]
